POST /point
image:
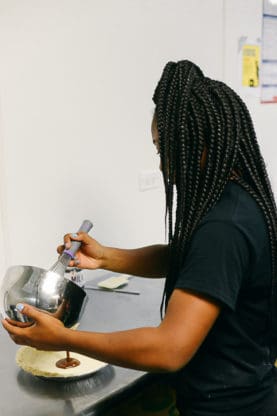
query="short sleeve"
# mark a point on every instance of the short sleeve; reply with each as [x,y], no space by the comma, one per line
[216,263]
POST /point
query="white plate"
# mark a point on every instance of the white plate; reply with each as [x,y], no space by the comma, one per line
[43,364]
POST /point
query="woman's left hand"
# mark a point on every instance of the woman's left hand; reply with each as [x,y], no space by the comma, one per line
[46,333]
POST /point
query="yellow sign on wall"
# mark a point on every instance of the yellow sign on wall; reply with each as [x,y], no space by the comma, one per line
[250,65]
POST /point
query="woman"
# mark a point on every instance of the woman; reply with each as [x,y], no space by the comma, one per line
[220,261]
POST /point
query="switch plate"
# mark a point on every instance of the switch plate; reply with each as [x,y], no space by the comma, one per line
[149,179]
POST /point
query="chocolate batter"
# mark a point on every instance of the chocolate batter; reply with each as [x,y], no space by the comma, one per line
[67,362]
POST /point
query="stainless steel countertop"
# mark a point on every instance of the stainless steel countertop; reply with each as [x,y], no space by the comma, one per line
[25,395]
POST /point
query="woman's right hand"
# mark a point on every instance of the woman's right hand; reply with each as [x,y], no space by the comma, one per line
[89,256]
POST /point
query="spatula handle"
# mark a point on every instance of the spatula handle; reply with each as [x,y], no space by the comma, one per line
[75,245]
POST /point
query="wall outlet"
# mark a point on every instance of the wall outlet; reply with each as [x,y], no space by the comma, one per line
[150,179]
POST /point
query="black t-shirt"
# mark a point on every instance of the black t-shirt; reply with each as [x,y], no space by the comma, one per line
[229,261]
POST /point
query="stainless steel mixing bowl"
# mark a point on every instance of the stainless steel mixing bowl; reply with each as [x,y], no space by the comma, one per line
[43,289]
[47,290]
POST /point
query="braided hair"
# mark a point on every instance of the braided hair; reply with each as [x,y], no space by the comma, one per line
[194,113]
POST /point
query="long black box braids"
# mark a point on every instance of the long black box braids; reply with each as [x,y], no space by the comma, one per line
[194,113]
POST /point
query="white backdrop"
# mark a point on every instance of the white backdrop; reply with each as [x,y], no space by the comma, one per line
[76,82]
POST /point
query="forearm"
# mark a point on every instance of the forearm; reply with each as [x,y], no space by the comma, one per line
[142,349]
[168,347]
[150,261]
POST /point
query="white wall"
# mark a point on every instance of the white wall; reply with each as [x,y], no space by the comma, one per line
[76,82]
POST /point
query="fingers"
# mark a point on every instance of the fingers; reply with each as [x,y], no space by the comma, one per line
[19,324]
[80,236]
[13,327]
[13,330]
[8,326]
[29,311]
[83,237]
